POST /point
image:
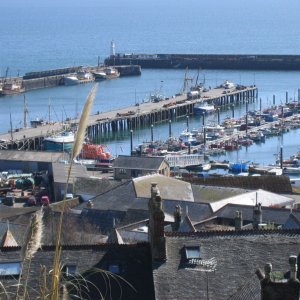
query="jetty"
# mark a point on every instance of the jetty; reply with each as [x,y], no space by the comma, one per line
[208,61]
[134,117]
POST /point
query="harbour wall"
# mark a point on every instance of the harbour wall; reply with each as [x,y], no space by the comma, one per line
[208,61]
[52,78]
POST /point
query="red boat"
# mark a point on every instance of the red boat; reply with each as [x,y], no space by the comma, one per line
[94,151]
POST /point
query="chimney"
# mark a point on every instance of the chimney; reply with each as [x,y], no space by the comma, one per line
[293,267]
[177,218]
[279,289]
[156,233]
[238,220]
[257,215]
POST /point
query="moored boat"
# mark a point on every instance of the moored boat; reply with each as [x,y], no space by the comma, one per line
[11,88]
[111,73]
[203,108]
[59,142]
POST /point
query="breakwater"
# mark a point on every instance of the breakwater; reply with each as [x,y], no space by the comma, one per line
[208,61]
[55,77]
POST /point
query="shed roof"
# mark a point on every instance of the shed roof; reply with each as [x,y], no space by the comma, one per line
[60,172]
[138,162]
[32,156]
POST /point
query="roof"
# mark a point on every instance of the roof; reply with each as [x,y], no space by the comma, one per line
[96,265]
[269,214]
[138,162]
[32,156]
[228,260]
[60,172]
[275,184]
[250,198]
[170,188]
[8,240]
[206,193]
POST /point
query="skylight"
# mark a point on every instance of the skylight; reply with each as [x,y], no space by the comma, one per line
[10,268]
[192,252]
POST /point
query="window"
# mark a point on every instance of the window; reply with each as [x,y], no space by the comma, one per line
[70,270]
[10,269]
[114,268]
[192,252]
[122,171]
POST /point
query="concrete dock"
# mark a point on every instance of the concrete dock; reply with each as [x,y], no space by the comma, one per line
[130,118]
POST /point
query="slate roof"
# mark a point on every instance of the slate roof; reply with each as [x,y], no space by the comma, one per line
[93,261]
[60,172]
[138,162]
[32,156]
[230,257]
[275,184]
[170,188]
[269,214]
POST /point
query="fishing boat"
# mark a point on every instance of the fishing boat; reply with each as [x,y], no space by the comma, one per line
[80,77]
[11,88]
[188,138]
[291,170]
[111,73]
[99,76]
[201,108]
[62,141]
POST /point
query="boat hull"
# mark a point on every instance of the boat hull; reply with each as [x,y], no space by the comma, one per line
[58,147]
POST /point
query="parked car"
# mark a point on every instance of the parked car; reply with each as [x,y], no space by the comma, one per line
[45,200]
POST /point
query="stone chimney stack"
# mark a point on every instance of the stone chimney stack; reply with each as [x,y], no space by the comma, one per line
[156,225]
[279,289]
[177,217]
[238,220]
[293,267]
[257,215]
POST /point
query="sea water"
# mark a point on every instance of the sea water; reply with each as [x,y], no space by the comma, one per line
[39,35]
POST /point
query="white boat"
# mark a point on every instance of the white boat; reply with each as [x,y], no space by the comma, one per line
[203,108]
[59,142]
[71,80]
[188,138]
[100,76]
[291,170]
[228,85]
[111,73]
[79,77]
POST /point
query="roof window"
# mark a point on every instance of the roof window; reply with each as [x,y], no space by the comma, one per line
[192,252]
[10,268]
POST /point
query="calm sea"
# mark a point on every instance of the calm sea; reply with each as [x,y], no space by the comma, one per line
[38,35]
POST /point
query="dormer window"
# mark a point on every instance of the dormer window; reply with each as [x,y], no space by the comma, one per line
[70,270]
[192,252]
[10,269]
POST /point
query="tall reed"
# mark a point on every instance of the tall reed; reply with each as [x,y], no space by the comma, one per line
[80,136]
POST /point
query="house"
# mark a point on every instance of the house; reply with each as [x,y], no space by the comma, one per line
[126,167]
[213,264]
[103,271]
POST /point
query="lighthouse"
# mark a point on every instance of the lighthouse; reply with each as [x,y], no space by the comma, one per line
[112,49]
